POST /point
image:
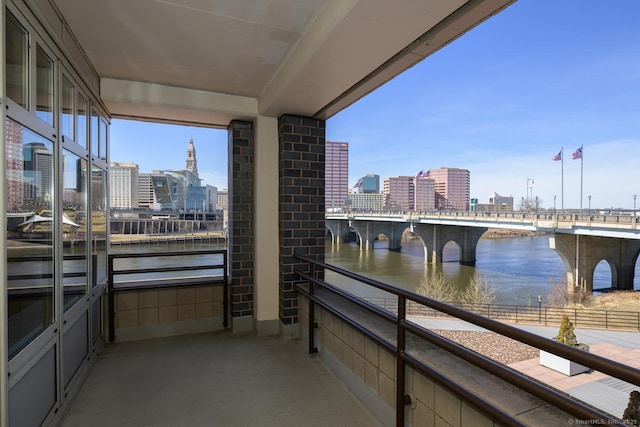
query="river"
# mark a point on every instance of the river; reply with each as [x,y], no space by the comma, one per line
[519,268]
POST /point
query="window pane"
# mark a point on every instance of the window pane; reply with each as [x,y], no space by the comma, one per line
[17,61]
[68,97]
[83,116]
[99,223]
[74,228]
[95,120]
[29,175]
[44,86]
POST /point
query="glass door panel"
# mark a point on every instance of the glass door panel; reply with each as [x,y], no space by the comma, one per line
[74,228]
[30,265]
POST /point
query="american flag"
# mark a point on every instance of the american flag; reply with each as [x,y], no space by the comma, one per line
[577,154]
[557,156]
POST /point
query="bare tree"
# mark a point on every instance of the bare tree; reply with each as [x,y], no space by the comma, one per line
[435,285]
[479,291]
[531,204]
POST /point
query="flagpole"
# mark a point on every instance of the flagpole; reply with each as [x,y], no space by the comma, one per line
[562,179]
[581,174]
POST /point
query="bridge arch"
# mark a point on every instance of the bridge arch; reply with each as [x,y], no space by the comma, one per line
[609,263]
[338,229]
[367,231]
[435,237]
[449,246]
[581,254]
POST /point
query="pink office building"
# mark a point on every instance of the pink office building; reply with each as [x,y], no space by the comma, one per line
[452,187]
[424,198]
[336,175]
[398,193]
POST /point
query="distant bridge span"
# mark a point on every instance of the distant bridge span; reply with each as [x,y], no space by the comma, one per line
[582,241]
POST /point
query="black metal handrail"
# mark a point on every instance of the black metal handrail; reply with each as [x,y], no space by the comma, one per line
[559,400]
[218,276]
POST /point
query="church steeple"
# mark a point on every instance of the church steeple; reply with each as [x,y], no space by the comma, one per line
[192,163]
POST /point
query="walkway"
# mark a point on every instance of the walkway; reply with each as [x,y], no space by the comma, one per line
[595,388]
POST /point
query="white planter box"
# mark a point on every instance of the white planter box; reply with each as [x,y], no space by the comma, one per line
[560,364]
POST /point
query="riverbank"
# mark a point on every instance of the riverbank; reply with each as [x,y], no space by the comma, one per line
[501,233]
[140,239]
[613,301]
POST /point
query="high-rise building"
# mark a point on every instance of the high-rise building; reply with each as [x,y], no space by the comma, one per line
[223,199]
[38,171]
[211,199]
[424,194]
[192,162]
[452,187]
[14,167]
[398,192]
[368,184]
[336,175]
[145,191]
[223,205]
[123,181]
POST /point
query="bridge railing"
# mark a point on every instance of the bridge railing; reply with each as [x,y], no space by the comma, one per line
[543,219]
[541,315]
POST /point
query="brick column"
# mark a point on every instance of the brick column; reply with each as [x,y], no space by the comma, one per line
[241,211]
[301,205]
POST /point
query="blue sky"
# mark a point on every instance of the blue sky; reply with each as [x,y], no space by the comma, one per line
[500,101]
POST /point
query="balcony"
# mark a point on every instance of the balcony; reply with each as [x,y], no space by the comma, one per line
[364,362]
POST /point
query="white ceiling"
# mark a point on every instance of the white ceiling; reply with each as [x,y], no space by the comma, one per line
[308,57]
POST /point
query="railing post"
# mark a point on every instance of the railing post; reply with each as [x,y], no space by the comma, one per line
[112,309]
[312,314]
[225,292]
[401,398]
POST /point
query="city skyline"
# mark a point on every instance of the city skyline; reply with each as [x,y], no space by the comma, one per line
[501,101]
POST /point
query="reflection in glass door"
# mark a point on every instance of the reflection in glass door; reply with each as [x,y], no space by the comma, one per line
[29,175]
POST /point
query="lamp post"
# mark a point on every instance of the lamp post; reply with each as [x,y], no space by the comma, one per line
[539,308]
[554,205]
[527,196]
[530,187]
[589,211]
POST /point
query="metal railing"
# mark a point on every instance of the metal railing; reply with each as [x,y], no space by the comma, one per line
[541,315]
[540,221]
[164,277]
[398,320]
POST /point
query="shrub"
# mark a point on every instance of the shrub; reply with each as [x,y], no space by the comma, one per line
[566,334]
[632,412]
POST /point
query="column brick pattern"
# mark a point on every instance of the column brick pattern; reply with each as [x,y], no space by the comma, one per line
[302,204]
[241,212]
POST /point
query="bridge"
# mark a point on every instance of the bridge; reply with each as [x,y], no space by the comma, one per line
[582,241]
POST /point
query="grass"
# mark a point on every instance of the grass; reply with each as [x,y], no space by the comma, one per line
[615,301]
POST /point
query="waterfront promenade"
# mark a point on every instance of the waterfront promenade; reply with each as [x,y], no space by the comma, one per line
[594,388]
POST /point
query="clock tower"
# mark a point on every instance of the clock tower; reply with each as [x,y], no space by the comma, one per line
[192,163]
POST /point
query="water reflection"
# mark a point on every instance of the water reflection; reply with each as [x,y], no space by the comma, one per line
[519,268]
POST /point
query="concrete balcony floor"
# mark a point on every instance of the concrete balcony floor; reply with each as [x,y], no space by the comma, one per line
[218,379]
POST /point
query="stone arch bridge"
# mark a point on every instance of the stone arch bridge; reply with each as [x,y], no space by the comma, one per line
[581,241]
